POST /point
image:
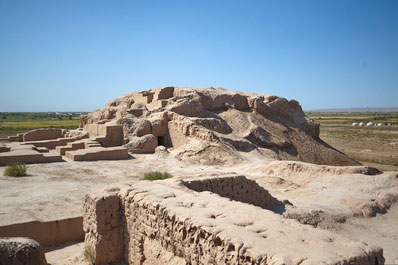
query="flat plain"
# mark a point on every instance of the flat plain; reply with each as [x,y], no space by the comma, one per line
[371,145]
[12,123]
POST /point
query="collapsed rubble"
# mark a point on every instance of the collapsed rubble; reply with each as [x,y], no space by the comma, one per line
[20,250]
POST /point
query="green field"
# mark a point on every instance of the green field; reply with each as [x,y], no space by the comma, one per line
[367,144]
[12,123]
[350,117]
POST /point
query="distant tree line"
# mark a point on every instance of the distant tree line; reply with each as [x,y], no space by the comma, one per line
[10,116]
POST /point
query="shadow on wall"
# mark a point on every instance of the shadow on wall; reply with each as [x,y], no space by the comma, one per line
[238,188]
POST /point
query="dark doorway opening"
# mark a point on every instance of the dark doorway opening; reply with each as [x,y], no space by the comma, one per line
[161,140]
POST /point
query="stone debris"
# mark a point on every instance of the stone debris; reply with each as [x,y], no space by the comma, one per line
[21,251]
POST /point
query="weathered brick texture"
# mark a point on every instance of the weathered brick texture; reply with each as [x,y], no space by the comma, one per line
[187,222]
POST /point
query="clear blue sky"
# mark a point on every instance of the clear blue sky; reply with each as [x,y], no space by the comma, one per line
[78,55]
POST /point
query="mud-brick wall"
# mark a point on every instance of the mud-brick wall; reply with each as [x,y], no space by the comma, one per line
[103,228]
[151,224]
[140,231]
[237,188]
[158,237]
[107,135]
[44,134]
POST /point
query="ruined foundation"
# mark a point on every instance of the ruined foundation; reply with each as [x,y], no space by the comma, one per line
[47,233]
[95,142]
[187,222]
[98,153]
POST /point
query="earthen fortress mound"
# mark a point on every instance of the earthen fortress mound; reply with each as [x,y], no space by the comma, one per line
[217,126]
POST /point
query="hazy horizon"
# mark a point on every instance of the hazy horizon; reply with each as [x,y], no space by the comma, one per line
[353,109]
[77,56]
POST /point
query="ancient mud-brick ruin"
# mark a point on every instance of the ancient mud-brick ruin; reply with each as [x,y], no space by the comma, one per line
[206,220]
[94,142]
[224,220]
[208,126]
[216,126]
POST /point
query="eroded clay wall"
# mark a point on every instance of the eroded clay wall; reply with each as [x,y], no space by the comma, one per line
[103,228]
[159,237]
[183,130]
[139,232]
[114,136]
[107,135]
[93,130]
[164,93]
[237,188]
[164,222]
[43,134]
[177,138]
[47,233]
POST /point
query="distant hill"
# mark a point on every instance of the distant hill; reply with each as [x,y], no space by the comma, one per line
[393,109]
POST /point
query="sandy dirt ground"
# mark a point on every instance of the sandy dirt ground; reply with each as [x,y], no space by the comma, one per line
[68,254]
[376,146]
[381,230]
[56,190]
[340,199]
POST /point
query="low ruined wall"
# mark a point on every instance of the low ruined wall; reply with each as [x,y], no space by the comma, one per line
[47,233]
[70,147]
[98,153]
[44,134]
[28,157]
[114,136]
[159,237]
[52,144]
[237,188]
[107,135]
[13,138]
[102,227]
[164,222]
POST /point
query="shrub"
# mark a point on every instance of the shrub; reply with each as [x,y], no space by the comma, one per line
[16,169]
[156,175]
[89,254]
